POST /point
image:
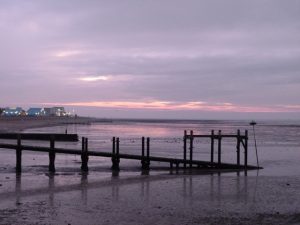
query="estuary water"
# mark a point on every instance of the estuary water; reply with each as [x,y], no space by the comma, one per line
[278,142]
[102,196]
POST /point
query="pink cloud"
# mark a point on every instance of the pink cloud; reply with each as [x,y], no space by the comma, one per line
[166,105]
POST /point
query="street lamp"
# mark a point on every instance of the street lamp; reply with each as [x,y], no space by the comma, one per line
[253,123]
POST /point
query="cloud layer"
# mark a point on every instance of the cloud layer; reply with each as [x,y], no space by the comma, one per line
[242,53]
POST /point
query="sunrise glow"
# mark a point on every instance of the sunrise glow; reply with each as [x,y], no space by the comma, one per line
[168,105]
[96,78]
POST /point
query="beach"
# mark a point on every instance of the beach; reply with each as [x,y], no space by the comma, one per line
[164,196]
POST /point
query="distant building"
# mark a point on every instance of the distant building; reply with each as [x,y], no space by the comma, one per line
[48,112]
[36,112]
[55,111]
[59,111]
[18,111]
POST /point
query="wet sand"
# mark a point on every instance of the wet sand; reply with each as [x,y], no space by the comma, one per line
[129,197]
[75,198]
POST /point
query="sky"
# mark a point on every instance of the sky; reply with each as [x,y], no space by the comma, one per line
[188,59]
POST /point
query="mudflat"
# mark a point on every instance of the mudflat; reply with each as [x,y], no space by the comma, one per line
[132,198]
[166,197]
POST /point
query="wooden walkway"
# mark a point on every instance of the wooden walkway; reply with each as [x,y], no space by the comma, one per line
[115,154]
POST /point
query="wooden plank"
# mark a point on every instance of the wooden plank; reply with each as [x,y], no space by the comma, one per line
[128,156]
[215,136]
[40,136]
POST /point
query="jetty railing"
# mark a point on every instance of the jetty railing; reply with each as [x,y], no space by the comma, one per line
[241,140]
[145,158]
[51,137]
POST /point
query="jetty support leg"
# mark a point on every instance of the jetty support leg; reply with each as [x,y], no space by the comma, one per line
[246,149]
[219,147]
[148,154]
[184,148]
[19,155]
[144,161]
[52,155]
[191,148]
[116,151]
[238,147]
[212,146]
[84,155]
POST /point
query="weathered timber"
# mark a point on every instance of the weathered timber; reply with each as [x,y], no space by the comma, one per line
[52,155]
[124,156]
[212,146]
[191,148]
[147,166]
[184,147]
[238,147]
[219,147]
[40,136]
[246,149]
[115,154]
[215,136]
[143,161]
[84,155]
[18,155]
[145,157]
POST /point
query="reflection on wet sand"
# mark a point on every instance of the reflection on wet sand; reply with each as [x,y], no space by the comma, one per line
[216,189]
[18,190]
[84,184]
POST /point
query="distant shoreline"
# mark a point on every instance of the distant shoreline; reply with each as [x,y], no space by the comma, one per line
[20,123]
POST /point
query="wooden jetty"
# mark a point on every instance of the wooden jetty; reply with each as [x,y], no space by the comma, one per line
[144,158]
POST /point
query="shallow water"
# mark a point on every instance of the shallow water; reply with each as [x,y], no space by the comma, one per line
[268,196]
[278,141]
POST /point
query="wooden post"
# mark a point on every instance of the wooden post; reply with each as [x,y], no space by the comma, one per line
[219,147]
[52,155]
[118,147]
[143,147]
[143,161]
[184,148]
[113,145]
[84,155]
[82,143]
[246,149]
[19,155]
[191,148]
[148,153]
[117,161]
[238,147]
[86,144]
[115,158]
[212,147]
